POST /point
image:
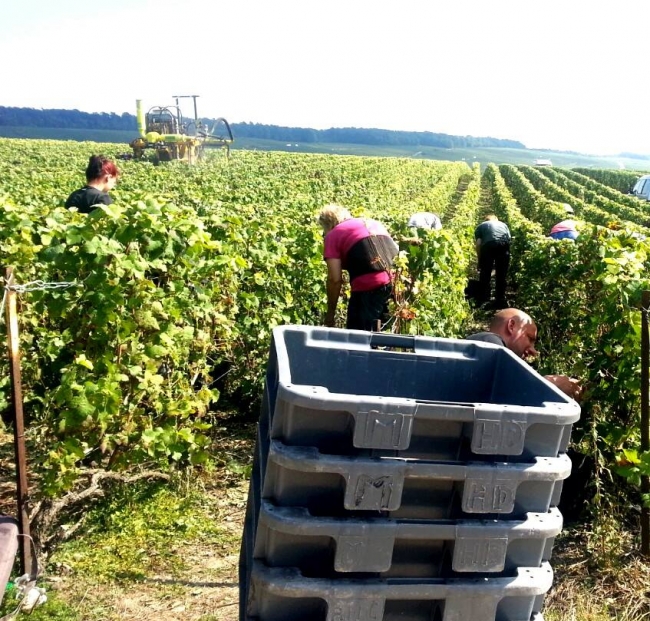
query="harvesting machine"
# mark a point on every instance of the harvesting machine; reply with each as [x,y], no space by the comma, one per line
[174,137]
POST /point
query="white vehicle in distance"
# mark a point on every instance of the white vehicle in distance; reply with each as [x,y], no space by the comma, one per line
[641,188]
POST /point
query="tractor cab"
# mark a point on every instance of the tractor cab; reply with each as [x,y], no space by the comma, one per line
[163,121]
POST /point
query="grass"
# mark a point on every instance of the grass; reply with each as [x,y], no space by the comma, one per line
[95,581]
[149,547]
[158,550]
[53,610]
[588,587]
[138,531]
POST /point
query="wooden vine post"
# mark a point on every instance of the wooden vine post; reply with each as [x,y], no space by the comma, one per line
[19,424]
[645,418]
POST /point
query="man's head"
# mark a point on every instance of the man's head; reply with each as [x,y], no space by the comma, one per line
[517,330]
[490,217]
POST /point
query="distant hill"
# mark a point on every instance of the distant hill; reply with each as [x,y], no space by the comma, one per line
[635,156]
[76,120]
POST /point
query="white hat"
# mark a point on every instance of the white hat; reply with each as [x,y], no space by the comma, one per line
[567,208]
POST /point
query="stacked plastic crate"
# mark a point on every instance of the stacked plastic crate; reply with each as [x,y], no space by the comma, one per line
[405,478]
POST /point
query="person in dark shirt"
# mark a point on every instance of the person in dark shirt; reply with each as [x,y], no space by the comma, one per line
[515,330]
[492,239]
[101,177]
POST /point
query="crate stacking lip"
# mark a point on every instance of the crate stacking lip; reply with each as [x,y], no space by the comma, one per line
[340,391]
[283,594]
[327,547]
[334,485]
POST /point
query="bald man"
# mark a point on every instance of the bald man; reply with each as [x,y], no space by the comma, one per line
[514,329]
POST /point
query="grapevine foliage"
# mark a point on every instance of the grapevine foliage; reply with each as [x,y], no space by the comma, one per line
[182,279]
[586,297]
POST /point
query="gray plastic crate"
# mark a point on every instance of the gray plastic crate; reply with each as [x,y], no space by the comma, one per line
[334,485]
[8,549]
[248,535]
[345,390]
[287,595]
[323,547]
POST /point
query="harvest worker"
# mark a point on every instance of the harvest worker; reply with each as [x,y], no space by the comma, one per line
[101,177]
[515,330]
[364,248]
[424,220]
[492,240]
[567,228]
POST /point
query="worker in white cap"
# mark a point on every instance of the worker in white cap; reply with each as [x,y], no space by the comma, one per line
[424,220]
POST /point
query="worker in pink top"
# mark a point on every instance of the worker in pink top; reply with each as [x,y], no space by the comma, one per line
[364,248]
[566,229]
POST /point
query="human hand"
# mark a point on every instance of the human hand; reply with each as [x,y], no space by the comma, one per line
[570,386]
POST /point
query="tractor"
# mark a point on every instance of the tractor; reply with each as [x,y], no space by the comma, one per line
[173,137]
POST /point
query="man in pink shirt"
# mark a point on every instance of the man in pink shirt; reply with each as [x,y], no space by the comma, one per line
[364,248]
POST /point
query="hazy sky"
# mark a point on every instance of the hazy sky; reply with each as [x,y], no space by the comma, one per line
[562,74]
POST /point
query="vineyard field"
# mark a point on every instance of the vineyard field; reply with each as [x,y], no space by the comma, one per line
[176,286]
[182,279]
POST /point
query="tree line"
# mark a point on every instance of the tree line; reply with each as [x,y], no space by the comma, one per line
[67,119]
[357,135]
[75,119]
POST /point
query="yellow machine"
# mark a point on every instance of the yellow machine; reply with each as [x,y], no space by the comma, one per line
[173,137]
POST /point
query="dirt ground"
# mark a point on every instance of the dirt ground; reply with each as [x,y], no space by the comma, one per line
[208,591]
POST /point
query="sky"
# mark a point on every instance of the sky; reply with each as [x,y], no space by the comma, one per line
[559,74]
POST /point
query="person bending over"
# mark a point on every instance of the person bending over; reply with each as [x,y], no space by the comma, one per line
[566,229]
[424,220]
[492,240]
[364,248]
